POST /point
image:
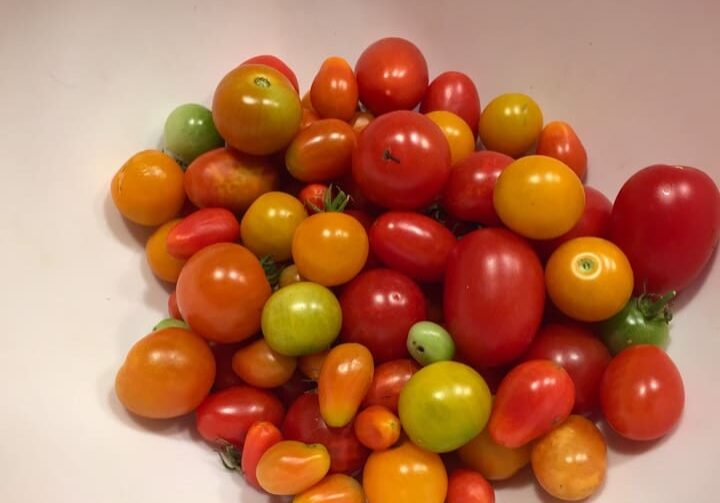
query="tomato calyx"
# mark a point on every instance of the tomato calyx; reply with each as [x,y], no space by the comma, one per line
[652,307]
[332,204]
[272,271]
[388,156]
[230,456]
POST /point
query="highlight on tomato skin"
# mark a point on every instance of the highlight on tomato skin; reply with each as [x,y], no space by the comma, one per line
[290,467]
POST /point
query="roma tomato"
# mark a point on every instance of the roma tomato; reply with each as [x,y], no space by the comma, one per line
[258,365]
[161,262]
[290,467]
[643,320]
[322,151]
[532,399]
[458,134]
[337,488]
[494,296]
[260,437]
[392,74]
[166,374]
[456,93]
[221,292]
[312,196]
[256,109]
[589,279]
[510,123]
[642,393]
[467,486]
[360,121]
[334,90]
[278,64]
[310,365]
[189,131]
[345,377]
[667,221]
[559,140]
[269,224]
[389,380]
[377,428]
[402,161]
[492,460]
[225,376]
[202,228]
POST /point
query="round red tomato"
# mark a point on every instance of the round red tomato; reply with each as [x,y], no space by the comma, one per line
[278,64]
[392,74]
[402,161]
[494,296]
[468,486]
[454,92]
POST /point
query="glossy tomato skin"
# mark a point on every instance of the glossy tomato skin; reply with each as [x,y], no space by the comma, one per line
[468,486]
[494,296]
[336,488]
[278,64]
[260,437]
[269,224]
[392,74]
[510,124]
[202,228]
[389,380]
[334,90]
[379,307]
[457,133]
[402,161]
[290,467]
[258,365]
[667,221]
[322,151]
[456,93]
[164,265]
[559,140]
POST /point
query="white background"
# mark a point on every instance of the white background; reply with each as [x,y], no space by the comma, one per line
[84,85]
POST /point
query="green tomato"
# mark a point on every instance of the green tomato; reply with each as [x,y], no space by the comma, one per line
[643,320]
[428,343]
[444,405]
[301,319]
[190,131]
[171,323]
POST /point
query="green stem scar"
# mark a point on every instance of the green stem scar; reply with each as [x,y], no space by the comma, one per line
[262,81]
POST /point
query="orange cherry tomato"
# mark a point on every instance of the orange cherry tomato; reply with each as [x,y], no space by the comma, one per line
[405,474]
[492,460]
[360,121]
[289,275]
[337,488]
[345,378]
[148,188]
[559,140]
[334,91]
[290,467]
[308,117]
[260,437]
[257,364]
[377,428]
[163,265]
[322,151]
[458,134]
[310,365]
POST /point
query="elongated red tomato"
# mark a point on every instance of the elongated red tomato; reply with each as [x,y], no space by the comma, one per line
[202,228]
[559,140]
[344,380]
[334,90]
[454,92]
[260,437]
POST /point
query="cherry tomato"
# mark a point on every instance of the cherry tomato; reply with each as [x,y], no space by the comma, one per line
[337,488]
[310,365]
[258,365]
[334,90]
[429,342]
[189,131]
[644,320]
[458,134]
[510,124]
[642,393]
[148,188]
[202,228]
[289,275]
[173,309]
[290,467]
[667,221]
[163,265]
[269,224]
[456,93]
[165,374]
[312,196]
[225,376]
[377,428]
[559,140]
[256,109]
[492,460]
[276,63]
[589,279]
[221,292]
[570,462]
[467,486]
[360,121]
[345,377]
[389,380]
[392,74]
[322,151]
[260,437]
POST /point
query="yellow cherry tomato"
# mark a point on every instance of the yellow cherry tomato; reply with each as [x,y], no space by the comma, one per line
[539,197]
[289,275]
[269,224]
[163,265]
[510,124]
[492,460]
[458,134]
[589,278]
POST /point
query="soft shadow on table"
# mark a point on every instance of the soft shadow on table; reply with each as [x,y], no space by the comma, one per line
[622,445]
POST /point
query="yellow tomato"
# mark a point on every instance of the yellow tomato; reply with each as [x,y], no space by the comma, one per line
[589,279]
[458,134]
[510,124]
[269,225]
[289,275]
[163,265]
[492,460]
[539,197]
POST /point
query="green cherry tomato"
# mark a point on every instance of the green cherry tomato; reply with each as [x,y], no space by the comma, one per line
[190,131]
[643,320]
[444,405]
[301,319]
[428,343]
[171,322]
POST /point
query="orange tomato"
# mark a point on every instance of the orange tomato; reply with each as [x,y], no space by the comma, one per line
[321,152]
[289,275]
[290,467]
[257,364]
[458,134]
[559,140]
[334,91]
[492,460]
[148,188]
[260,437]
[360,121]
[510,124]
[163,265]
[308,117]
[345,378]
[337,488]
[310,365]
[377,428]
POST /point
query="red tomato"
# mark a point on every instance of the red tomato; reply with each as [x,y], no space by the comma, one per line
[468,194]
[494,296]
[304,423]
[291,390]
[388,381]
[392,75]
[532,399]
[378,308]
[642,393]
[456,93]
[334,90]
[202,228]
[412,244]
[227,415]
[312,197]
[322,151]
[377,428]
[225,376]
[260,437]
[402,161]
[278,64]
[173,309]
[667,221]
[559,140]
[469,486]
[580,353]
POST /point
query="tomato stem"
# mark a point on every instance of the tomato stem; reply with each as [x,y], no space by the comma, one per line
[652,309]
[387,156]
[336,204]
[272,271]
[229,456]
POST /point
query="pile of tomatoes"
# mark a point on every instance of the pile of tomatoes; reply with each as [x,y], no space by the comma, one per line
[368,308]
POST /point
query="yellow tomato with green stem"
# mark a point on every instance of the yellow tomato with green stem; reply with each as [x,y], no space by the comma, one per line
[510,124]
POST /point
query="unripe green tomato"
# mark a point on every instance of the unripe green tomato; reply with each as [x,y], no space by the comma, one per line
[190,131]
[428,343]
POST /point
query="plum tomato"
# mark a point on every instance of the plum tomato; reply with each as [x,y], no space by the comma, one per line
[345,377]
[456,93]
[334,90]
[510,123]
[290,467]
[260,437]
[200,229]
[559,140]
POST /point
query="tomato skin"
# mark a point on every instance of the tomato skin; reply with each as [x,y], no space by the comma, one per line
[456,93]
[379,307]
[494,296]
[392,74]
[389,379]
[260,437]
[467,486]
[334,90]
[164,265]
[377,428]
[360,121]
[559,140]
[492,460]
[644,320]
[310,365]
[642,393]
[269,224]
[510,124]
[650,223]
[337,488]
[312,196]
[258,365]
[173,309]
[322,151]
[290,467]
[402,161]
[202,228]
[276,63]
[225,376]
[457,133]
[345,377]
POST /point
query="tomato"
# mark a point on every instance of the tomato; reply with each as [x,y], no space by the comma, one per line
[289,275]
[389,380]
[532,399]
[345,377]
[221,292]
[322,151]
[642,393]
[404,474]
[377,428]
[494,296]
[643,320]
[559,140]
[165,374]
[667,221]
[456,93]
[258,365]
[570,462]
[412,244]
[337,488]
[308,117]
[360,121]
[392,74]
[225,376]
[458,134]
[467,486]
[226,178]
[189,131]
[310,365]
[492,460]
[173,309]
[163,265]
[539,197]
[580,353]
[148,188]
[510,123]
[429,342]
[256,109]
[290,467]
[277,64]
[379,307]
[269,224]
[260,437]
[330,248]
[202,228]
[334,90]
[303,422]
[312,196]
[589,279]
